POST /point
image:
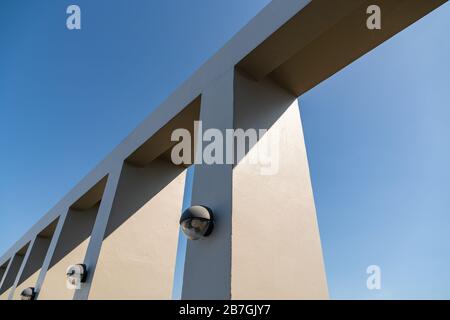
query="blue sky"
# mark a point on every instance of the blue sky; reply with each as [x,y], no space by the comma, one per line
[377,132]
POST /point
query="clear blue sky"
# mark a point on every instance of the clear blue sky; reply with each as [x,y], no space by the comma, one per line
[378,132]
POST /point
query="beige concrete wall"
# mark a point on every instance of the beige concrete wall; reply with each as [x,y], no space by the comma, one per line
[137,258]
[276,249]
[4,295]
[71,249]
[29,282]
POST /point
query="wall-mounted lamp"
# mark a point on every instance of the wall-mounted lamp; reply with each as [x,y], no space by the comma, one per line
[76,274]
[28,294]
[197,222]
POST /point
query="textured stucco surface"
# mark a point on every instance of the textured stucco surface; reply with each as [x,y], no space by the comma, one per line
[71,249]
[276,249]
[137,259]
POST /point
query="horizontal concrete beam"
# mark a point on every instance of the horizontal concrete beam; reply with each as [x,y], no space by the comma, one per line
[327,36]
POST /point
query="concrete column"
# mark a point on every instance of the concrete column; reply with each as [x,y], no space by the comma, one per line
[207,273]
[3,286]
[32,268]
[98,231]
[12,272]
[50,252]
[266,242]
[276,245]
[21,269]
[70,249]
[3,271]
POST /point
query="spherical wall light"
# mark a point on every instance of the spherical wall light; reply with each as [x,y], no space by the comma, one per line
[28,294]
[197,222]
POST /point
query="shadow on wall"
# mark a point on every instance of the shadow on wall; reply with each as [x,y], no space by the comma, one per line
[138,255]
[11,272]
[72,243]
[33,265]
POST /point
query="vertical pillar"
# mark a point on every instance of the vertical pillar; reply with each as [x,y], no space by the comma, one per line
[50,252]
[3,286]
[207,273]
[276,245]
[33,265]
[71,249]
[12,272]
[22,266]
[98,232]
[266,242]
[3,271]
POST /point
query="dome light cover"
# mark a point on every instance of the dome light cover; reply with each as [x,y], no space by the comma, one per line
[28,294]
[197,222]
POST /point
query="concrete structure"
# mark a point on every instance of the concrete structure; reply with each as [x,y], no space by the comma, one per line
[121,220]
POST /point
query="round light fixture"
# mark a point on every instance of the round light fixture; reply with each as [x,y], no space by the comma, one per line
[28,294]
[197,222]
